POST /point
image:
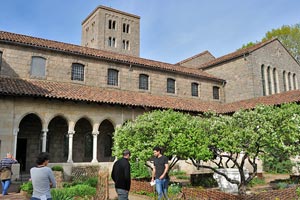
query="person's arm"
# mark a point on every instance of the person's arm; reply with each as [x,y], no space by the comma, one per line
[165,171]
[153,174]
[52,179]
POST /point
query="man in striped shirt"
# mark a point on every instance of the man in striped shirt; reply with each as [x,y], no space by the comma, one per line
[5,169]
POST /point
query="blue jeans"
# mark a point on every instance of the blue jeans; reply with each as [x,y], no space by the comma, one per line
[5,186]
[122,194]
[161,186]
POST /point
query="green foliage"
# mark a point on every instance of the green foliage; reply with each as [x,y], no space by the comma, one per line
[277,165]
[57,168]
[90,182]
[257,181]
[27,187]
[179,174]
[139,170]
[174,188]
[264,132]
[59,194]
[80,190]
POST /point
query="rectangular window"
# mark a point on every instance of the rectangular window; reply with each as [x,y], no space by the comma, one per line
[38,67]
[216,92]
[112,77]
[143,82]
[194,88]
[77,72]
[170,85]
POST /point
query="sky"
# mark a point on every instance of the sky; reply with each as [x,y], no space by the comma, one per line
[170,30]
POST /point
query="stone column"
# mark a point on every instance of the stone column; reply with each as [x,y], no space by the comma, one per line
[44,139]
[272,81]
[266,81]
[95,137]
[70,136]
[15,133]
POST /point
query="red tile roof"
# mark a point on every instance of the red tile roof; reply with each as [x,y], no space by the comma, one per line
[18,39]
[236,54]
[275,99]
[77,92]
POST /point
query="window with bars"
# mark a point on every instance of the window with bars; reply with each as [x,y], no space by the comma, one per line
[112,77]
[143,82]
[77,72]
[216,92]
[170,85]
[38,67]
[194,88]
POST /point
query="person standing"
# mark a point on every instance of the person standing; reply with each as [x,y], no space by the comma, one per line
[42,178]
[160,173]
[121,176]
[5,166]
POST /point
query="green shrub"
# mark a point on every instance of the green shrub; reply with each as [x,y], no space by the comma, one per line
[57,168]
[139,170]
[59,194]
[257,181]
[27,187]
[81,190]
[280,165]
[91,182]
[174,188]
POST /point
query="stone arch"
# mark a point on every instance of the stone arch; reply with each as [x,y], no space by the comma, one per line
[105,141]
[83,141]
[21,117]
[29,142]
[57,140]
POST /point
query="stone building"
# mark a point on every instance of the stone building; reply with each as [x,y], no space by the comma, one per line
[68,99]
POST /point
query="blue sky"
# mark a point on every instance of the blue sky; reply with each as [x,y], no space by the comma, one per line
[171,30]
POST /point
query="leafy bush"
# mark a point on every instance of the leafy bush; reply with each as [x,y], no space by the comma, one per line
[174,188]
[91,182]
[280,165]
[57,168]
[27,187]
[257,181]
[60,194]
[139,170]
[80,190]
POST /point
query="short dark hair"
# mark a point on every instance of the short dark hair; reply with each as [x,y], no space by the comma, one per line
[126,152]
[157,149]
[42,157]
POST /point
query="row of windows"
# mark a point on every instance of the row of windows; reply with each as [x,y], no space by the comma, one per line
[112,24]
[38,69]
[270,82]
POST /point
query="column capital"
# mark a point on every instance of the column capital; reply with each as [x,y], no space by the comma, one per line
[71,132]
[95,133]
[16,131]
[45,130]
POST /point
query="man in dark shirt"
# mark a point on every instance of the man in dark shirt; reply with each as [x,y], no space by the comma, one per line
[121,176]
[160,173]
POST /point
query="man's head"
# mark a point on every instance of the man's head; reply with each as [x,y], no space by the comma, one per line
[9,155]
[42,158]
[157,151]
[126,153]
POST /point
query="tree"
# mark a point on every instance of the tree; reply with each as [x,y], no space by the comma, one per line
[289,36]
[225,141]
